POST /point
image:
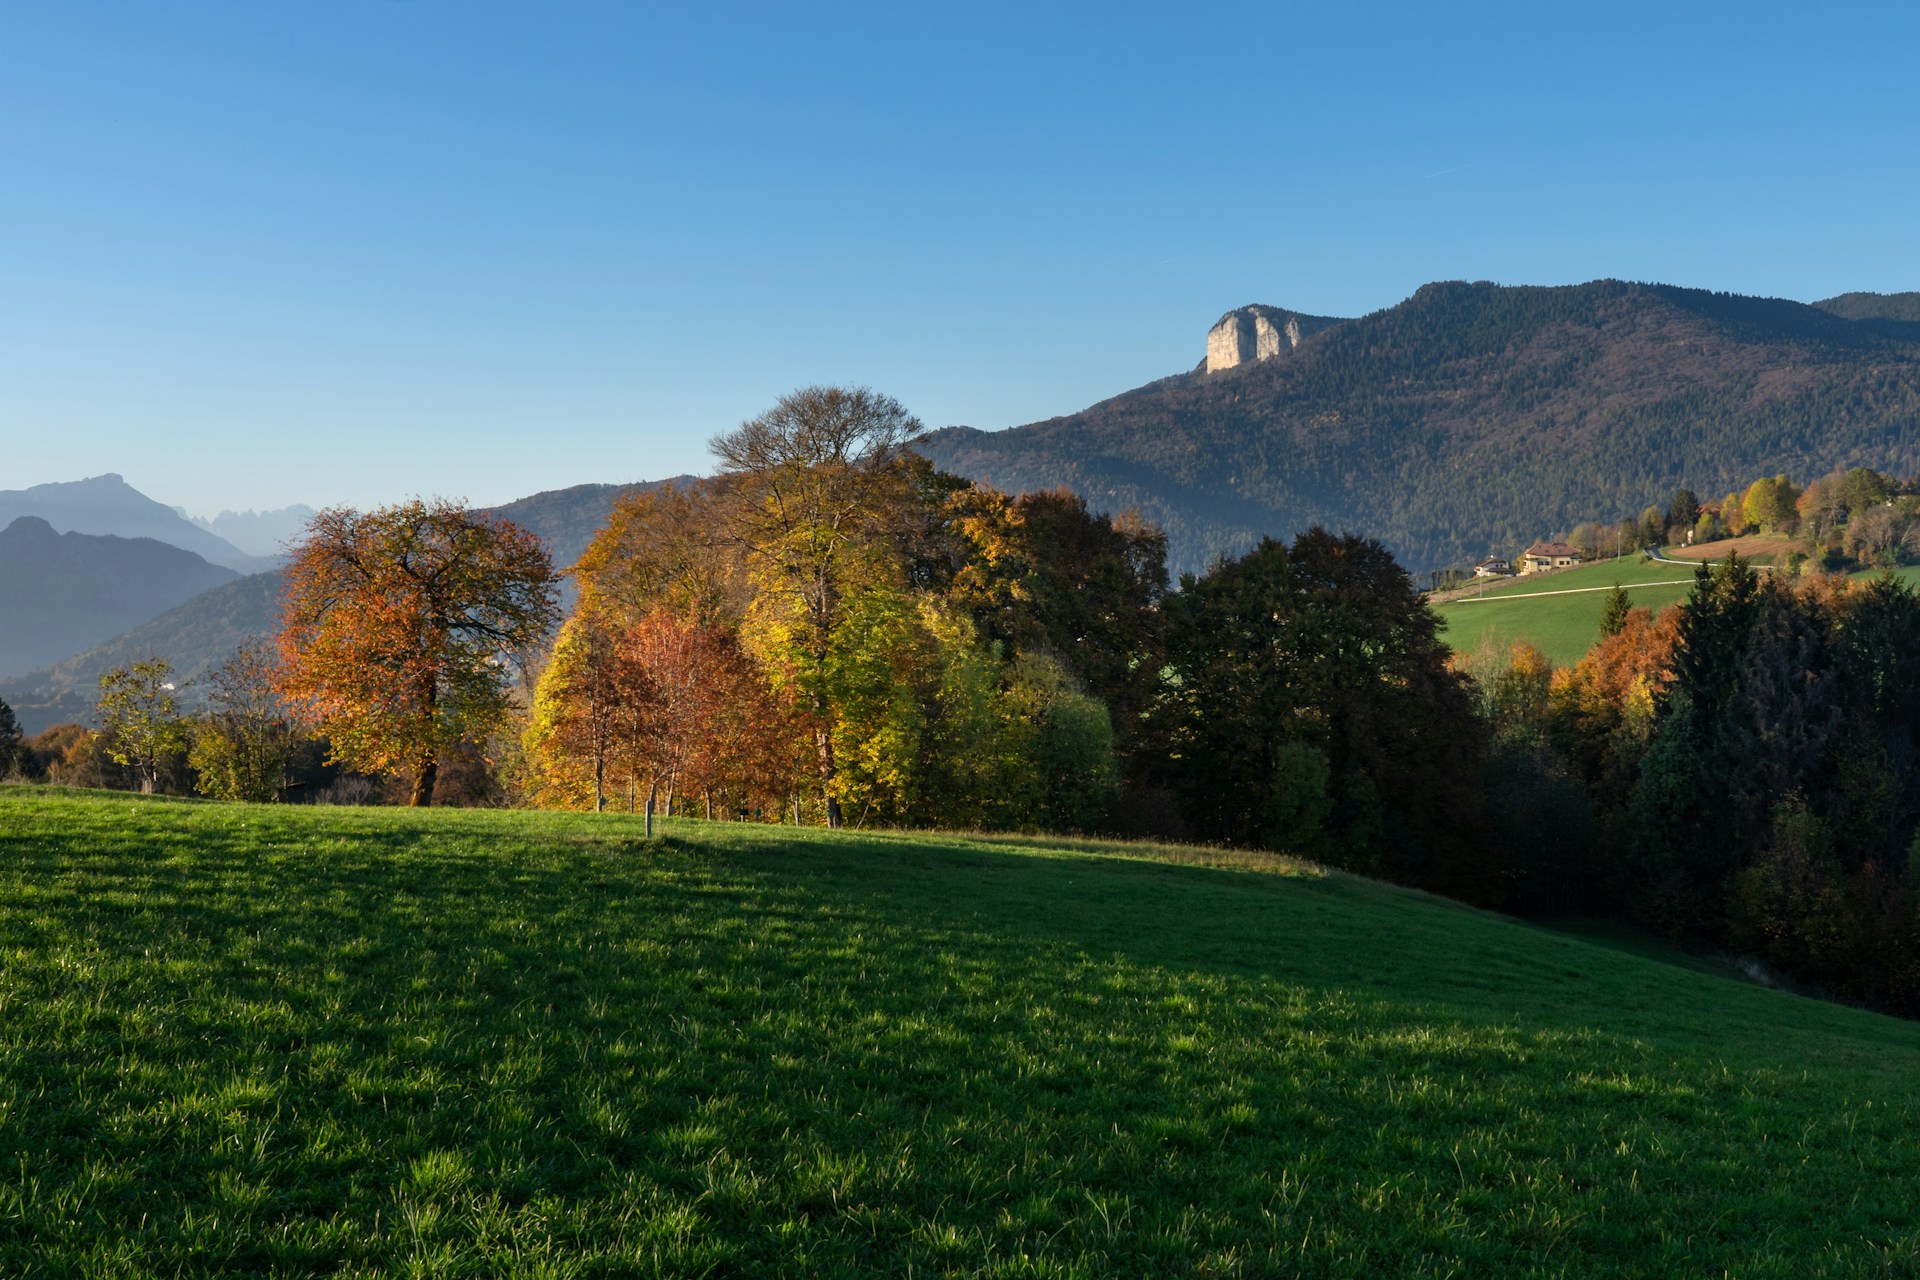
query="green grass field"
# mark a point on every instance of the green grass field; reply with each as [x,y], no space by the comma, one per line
[1564,626]
[295,1041]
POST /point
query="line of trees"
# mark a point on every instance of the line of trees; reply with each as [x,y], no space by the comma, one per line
[831,630]
[1743,770]
[1848,519]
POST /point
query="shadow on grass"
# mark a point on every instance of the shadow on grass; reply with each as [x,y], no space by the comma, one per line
[513,1032]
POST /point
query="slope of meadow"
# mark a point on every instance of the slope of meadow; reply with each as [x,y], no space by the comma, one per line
[299,1041]
[1558,612]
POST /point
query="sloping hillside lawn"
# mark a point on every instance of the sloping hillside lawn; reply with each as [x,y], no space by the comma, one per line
[290,1041]
[1559,612]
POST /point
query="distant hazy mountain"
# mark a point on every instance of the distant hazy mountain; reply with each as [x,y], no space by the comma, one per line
[1474,418]
[258,533]
[195,637]
[107,504]
[64,592]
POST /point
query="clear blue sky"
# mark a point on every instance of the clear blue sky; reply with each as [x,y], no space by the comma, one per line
[350,250]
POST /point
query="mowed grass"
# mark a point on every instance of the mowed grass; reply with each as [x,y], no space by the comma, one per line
[295,1041]
[1563,626]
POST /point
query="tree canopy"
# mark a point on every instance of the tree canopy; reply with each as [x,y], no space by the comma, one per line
[401,630]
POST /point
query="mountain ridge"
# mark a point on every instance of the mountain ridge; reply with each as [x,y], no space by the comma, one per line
[107,505]
[1473,417]
[68,591]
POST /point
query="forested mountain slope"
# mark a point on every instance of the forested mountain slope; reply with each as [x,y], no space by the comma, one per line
[1903,307]
[195,637]
[1475,417]
[61,592]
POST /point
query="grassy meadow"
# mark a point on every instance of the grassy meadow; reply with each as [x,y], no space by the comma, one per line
[1564,626]
[1560,612]
[299,1041]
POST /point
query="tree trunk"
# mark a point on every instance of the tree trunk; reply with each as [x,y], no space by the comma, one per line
[823,744]
[653,789]
[599,782]
[423,775]
[428,768]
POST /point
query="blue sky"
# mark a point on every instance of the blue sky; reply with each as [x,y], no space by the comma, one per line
[253,254]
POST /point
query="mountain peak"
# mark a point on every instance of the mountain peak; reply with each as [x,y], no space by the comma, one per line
[107,504]
[29,527]
[1259,332]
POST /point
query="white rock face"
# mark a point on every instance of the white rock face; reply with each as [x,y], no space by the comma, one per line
[1229,343]
[1268,339]
[1252,333]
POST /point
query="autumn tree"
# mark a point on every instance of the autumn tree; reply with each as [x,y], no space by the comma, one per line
[1769,504]
[242,745]
[816,484]
[684,673]
[665,548]
[140,722]
[585,712]
[401,630]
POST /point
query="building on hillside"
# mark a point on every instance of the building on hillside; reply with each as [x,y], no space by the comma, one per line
[1542,556]
[1496,567]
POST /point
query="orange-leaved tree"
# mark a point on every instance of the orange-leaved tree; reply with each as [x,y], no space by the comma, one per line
[590,710]
[665,703]
[401,628]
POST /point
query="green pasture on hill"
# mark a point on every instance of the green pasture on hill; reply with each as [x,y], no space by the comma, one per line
[1559,612]
[297,1041]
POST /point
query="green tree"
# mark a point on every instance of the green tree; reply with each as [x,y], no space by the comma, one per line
[818,485]
[1613,615]
[1653,527]
[1093,594]
[1061,745]
[1326,645]
[1684,509]
[140,720]
[1715,622]
[13,745]
[242,745]
[1862,489]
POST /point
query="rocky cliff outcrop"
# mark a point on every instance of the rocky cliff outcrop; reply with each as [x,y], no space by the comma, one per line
[1251,333]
